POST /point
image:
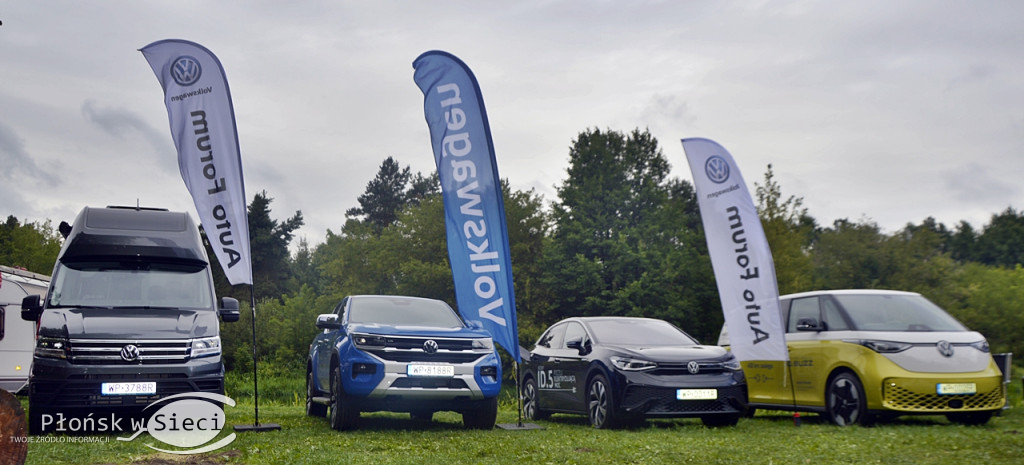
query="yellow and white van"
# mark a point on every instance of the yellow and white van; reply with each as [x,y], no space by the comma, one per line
[860,355]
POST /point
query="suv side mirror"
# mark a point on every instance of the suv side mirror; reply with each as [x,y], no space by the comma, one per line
[228,309]
[809,324]
[327,321]
[31,308]
[578,345]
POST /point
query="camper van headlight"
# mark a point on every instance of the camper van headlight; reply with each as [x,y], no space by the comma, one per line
[981,345]
[882,347]
[205,346]
[52,347]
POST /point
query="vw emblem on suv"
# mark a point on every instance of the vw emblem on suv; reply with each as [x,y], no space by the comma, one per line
[186,71]
[693,367]
[430,346]
[945,348]
[717,169]
[130,353]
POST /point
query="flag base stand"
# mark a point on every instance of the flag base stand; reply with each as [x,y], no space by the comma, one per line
[518,426]
[257,427]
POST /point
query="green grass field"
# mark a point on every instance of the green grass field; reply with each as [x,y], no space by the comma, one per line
[384,438]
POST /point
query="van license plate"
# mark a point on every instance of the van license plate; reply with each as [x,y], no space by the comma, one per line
[445,371]
[128,389]
[956,388]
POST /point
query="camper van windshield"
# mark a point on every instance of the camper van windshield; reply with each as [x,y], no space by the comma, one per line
[130,284]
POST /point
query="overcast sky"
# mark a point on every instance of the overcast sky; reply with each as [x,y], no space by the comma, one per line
[890,111]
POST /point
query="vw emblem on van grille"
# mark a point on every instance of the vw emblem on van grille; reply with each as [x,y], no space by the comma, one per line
[693,367]
[430,346]
[945,348]
[130,353]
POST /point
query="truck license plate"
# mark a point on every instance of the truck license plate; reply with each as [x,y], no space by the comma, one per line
[128,389]
[431,370]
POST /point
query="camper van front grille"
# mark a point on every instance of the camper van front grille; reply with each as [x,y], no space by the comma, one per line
[121,352]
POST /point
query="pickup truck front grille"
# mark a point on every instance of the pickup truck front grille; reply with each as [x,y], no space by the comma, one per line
[412,349]
[120,352]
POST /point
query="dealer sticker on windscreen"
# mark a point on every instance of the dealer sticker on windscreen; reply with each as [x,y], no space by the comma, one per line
[128,389]
[955,388]
[696,394]
[430,370]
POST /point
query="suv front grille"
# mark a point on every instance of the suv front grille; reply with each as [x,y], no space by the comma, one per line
[150,351]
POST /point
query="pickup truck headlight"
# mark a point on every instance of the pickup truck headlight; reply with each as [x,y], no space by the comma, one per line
[485,343]
[205,346]
[52,347]
[632,364]
[369,341]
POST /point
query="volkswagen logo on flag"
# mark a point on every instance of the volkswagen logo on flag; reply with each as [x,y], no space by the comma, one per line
[186,71]
[945,348]
[693,367]
[430,346]
[717,169]
[130,353]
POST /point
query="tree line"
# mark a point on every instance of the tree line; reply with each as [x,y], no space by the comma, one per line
[621,238]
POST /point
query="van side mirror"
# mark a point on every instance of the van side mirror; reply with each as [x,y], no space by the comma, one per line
[810,324]
[327,321]
[228,309]
[31,307]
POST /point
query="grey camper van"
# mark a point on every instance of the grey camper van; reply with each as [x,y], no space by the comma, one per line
[130,318]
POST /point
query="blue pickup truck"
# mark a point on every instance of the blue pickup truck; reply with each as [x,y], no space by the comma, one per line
[401,354]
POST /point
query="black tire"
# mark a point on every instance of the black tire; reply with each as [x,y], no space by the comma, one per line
[425,416]
[717,421]
[601,403]
[343,414]
[483,416]
[845,402]
[313,409]
[970,418]
[531,407]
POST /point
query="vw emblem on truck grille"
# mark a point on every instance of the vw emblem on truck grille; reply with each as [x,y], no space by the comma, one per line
[945,348]
[130,353]
[430,346]
[693,367]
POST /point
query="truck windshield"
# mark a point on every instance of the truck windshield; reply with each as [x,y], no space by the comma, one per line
[896,312]
[130,284]
[400,311]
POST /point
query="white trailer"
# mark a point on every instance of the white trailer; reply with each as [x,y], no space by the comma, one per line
[17,336]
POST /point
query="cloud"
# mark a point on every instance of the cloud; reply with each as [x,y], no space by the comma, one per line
[121,123]
[15,159]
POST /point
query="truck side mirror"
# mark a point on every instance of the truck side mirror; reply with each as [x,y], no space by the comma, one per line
[31,307]
[327,321]
[228,309]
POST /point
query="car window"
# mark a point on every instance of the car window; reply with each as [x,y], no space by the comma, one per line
[638,332]
[833,317]
[553,337]
[896,312]
[799,309]
[573,331]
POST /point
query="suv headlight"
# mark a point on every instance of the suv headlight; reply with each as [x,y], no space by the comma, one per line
[205,346]
[52,347]
[485,343]
[882,347]
[632,364]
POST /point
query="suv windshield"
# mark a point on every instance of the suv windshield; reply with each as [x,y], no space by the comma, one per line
[639,332]
[897,312]
[130,284]
[398,311]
